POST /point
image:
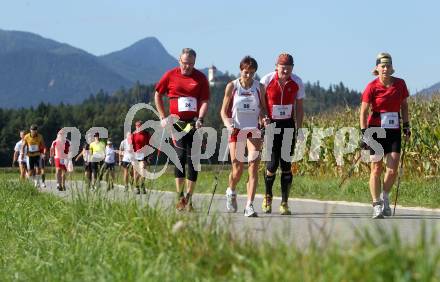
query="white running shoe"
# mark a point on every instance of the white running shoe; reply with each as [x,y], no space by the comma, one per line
[43,185]
[250,212]
[231,200]
[377,211]
[386,211]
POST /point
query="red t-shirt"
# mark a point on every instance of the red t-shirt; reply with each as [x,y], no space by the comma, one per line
[176,85]
[276,94]
[383,99]
[140,139]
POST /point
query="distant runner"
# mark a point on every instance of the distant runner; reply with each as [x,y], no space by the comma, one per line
[97,155]
[85,154]
[109,164]
[140,141]
[33,143]
[59,151]
[125,158]
[20,158]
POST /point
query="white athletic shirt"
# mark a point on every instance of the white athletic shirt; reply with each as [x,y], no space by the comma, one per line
[110,155]
[17,148]
[245,105]
[127,150]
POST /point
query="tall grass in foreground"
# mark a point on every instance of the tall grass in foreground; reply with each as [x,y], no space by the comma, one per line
[92,239]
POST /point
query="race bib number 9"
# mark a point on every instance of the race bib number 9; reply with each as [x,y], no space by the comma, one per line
[187,104]
[33,148]
[281,111]
[389,120]
[247,106]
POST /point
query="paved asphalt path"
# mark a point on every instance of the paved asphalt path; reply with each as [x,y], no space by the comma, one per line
[322,221]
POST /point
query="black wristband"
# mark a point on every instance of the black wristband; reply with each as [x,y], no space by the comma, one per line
[406,124]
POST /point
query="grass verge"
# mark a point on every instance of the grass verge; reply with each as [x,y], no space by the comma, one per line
[93,239]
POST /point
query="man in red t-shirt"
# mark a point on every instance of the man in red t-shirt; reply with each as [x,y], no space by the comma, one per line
[387,97]
[140,140]
[188,91]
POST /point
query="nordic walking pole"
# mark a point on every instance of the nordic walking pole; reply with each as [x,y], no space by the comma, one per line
[216,179]
[155,165]
[400,175]
[350,172]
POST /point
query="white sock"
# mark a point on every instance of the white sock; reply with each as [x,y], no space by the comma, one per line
[229,191]
[248,203]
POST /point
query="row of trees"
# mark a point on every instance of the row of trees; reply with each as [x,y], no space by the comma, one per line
[109,111]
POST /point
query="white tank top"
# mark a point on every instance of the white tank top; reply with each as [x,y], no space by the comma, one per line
[110,155]
[127,149]
[245,105]
[21,157]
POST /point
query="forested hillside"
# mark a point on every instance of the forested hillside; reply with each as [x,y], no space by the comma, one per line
[109,111]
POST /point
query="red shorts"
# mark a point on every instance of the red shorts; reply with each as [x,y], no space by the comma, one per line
[60,165]
[246,134]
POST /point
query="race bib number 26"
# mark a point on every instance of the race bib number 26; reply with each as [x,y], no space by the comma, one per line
[187,104]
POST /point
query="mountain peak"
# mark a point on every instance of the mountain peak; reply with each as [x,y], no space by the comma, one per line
[145,60]
[149,41]
[149,46]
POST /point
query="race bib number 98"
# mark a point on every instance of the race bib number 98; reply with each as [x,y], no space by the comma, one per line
[389,120]
[281,111]
[247,106]
[187,104]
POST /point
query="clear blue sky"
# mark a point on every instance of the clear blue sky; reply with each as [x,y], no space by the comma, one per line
[331,41]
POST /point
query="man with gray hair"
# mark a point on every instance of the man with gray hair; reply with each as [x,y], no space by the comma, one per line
[188,91]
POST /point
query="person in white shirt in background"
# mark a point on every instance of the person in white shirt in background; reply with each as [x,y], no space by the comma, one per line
[109,164]
[20,158]
[125,158]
